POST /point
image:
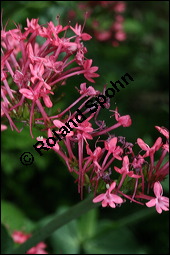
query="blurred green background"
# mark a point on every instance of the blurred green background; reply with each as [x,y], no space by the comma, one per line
[46,187]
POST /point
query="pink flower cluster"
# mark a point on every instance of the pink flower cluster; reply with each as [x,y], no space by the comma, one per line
[113,32]
[96,168]
[99,160]
[20,237]
[35,63]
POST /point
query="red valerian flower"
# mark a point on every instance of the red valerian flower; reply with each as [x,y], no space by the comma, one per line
[90,70]
[78,31]
[160,202]
[108,198]
[125,169]
[90,91]
[125,120]
[145,147]
[112,148]
[94,155]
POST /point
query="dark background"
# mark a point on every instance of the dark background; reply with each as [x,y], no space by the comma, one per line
[46,186]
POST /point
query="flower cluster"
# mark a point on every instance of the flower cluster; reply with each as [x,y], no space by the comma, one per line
[96,168]
[20,237]
[100,161]
[35,63]
[113,31]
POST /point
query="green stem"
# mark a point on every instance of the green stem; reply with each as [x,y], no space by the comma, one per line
[58,221]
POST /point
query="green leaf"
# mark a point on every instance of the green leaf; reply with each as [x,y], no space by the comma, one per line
[87,224]
[66,240]
[119,241]
[165,184]
[6,241]
[14,219]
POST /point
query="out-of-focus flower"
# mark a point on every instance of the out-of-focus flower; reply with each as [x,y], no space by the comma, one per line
[113,32]
[3,127]
[20,237]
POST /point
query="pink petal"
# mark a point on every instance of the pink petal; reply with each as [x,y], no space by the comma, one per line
[58,123]
[158,189]
[47,101]
[165,208]
[158,143]
[158,208]
[165,199]
[27,93]
[86,37]
[99,198]
[126,162]
[112,204]
[104,203]
[112,186]
[131,174]
[125,121]
[118,169]
[143,145]
[163,131]
[112,144]
[83,86]
[116,199]
[151,203]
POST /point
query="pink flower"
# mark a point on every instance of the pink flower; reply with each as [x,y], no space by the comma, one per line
[90,70]
[38,249]
[138,162]
[120,36]
[125,120]
[119,6]
[94,155]
[160,202]
[108,198]
[145,147]
[77,31]
[20,237]
[103,36]
[84,129]
[90,91]
[112,148]
[125,169]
